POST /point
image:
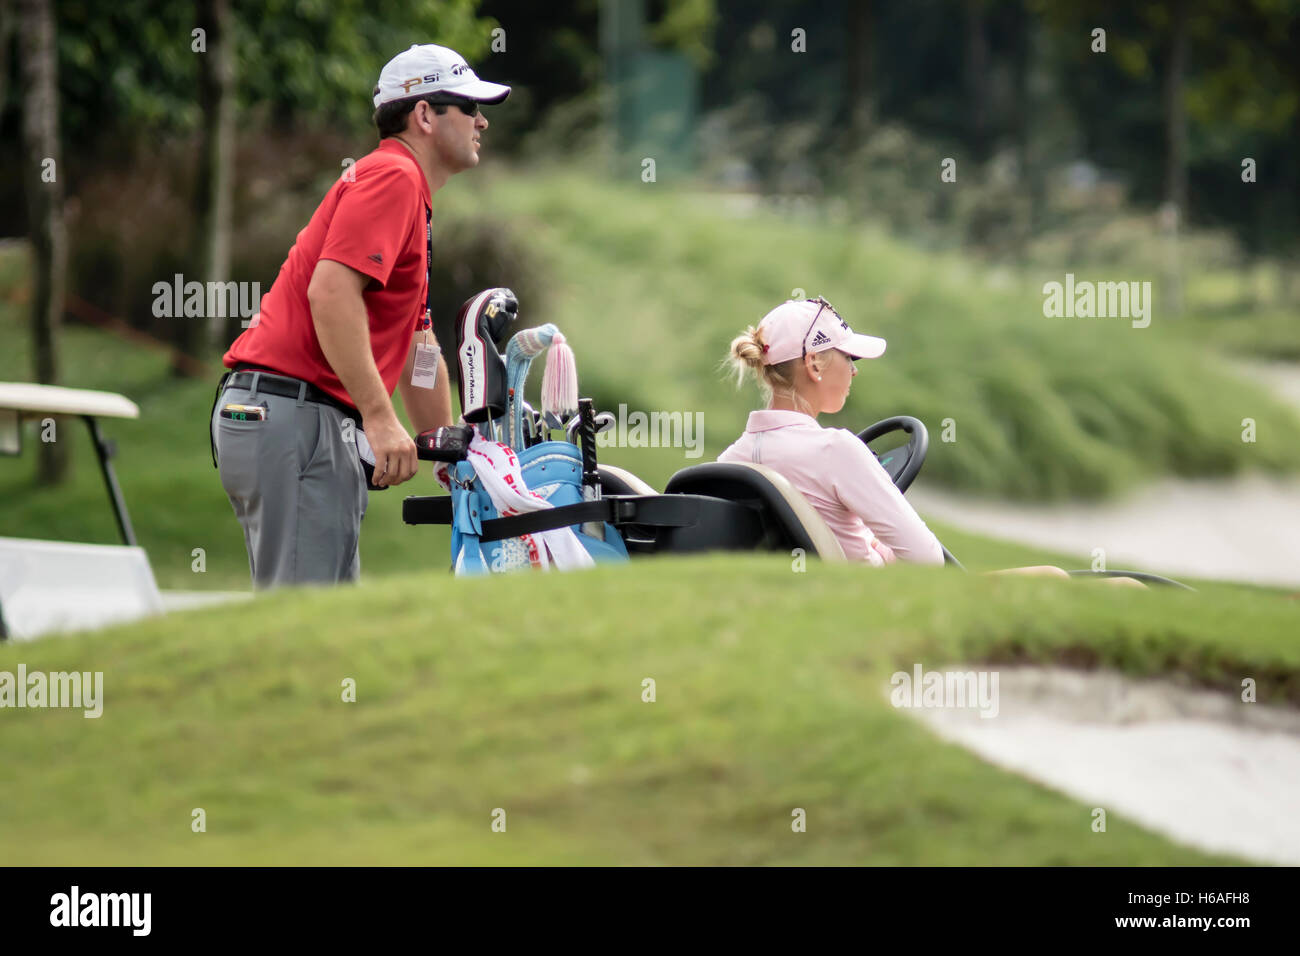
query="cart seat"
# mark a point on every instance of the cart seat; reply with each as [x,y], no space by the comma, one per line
[789,521]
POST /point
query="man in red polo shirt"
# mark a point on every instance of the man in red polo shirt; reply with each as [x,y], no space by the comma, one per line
[343,325]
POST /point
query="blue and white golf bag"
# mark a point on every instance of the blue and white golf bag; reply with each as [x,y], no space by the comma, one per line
[512,474]
[551,469]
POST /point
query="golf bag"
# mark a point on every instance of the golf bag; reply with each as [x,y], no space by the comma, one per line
[551,470]
[518,478]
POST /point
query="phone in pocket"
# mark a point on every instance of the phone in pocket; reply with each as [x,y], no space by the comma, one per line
[244,413]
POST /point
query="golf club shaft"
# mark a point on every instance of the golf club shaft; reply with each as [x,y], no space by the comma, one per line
[590,472]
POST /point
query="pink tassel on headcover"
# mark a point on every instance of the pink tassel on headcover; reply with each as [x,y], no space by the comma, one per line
[560,379]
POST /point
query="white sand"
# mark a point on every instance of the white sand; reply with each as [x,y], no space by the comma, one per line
[1202,768]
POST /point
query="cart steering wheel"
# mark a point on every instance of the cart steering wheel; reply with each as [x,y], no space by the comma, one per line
[903,463]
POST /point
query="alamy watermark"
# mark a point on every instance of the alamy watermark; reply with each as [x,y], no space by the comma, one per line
[1102,300]
[73,689]
[639,429]
[205,300]
[130,910]
[946,690]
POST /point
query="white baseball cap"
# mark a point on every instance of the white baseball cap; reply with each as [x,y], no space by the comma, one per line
[428,68]
[812,325]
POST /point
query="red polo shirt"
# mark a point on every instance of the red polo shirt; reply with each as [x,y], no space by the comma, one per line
[374,224]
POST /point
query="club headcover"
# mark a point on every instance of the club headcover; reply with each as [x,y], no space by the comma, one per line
[559,384]
[481,328]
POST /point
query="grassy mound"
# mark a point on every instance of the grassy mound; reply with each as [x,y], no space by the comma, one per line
[770,695]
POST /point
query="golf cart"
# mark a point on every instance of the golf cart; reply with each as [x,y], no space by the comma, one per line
[57,585]
[715,506]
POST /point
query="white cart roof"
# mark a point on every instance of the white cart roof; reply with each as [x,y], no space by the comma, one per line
[54,399]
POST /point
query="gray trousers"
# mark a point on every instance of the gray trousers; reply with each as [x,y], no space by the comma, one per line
[296,486]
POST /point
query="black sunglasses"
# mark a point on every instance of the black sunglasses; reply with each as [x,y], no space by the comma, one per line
[468,107]
[823,305]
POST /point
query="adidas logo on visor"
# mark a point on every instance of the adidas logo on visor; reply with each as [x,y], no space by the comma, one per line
[821,338]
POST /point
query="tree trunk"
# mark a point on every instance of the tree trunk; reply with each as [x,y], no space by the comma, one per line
[859,68]
[217,157]
[1176,150]
[1176,112]
[622,40]
[210,241]
[1287,211]
[6,33]
[1022,108]
[977,69]
[43,182]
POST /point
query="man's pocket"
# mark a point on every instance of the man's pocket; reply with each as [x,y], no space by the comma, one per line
[310,422]
[238,455]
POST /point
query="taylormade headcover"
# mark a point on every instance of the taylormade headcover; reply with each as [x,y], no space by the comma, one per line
[481,327]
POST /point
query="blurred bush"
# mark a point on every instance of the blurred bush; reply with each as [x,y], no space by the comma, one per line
[129,226]
[1078,213]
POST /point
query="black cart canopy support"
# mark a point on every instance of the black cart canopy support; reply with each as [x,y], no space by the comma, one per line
[104,450]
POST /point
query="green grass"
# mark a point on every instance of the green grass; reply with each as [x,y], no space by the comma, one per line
[1244,311]
[1271,333]
[770,695]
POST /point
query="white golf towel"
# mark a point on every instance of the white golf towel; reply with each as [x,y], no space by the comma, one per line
[497,467]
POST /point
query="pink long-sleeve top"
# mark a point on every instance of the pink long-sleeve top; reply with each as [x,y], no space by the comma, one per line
[842,479]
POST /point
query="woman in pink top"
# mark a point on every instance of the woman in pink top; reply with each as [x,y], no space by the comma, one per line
[802,355]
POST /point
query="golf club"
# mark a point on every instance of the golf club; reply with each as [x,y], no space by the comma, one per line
[529,437]
[590,471]
[604,420]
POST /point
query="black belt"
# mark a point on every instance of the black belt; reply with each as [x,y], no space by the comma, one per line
[286,386]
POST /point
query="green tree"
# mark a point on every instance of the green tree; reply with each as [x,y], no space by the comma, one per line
[313,58]
[129,71]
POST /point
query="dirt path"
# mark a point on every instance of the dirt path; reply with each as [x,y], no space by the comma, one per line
[1247,529]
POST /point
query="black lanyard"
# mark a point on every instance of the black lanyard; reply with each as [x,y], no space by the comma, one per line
[428,267]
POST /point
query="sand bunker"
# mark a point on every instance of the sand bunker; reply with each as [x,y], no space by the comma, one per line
[1202,768]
